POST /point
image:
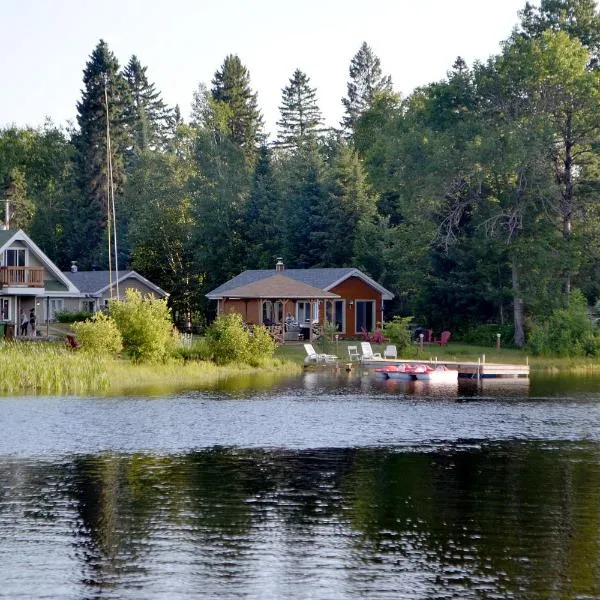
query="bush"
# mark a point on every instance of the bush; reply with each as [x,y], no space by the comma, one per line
[145,325]
[72,317]
[230,341]
[99,334]
[567,332]
[398,333]
[261,345]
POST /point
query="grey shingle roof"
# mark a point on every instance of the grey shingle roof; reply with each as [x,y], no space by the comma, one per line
[92,282]
[89,282]
[5,235]
[318,278]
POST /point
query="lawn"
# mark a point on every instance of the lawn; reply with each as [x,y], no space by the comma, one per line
[294,351]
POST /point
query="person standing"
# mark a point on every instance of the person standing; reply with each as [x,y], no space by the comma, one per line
[24,323]
[32,321]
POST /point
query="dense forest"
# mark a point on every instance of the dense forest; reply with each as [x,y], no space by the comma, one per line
[475,199]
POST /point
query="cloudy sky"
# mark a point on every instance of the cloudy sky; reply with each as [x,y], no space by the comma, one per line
[46,43]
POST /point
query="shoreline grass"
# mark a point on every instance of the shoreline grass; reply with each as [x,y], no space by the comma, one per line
[39,368]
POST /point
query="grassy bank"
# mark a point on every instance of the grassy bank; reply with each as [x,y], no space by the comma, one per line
[47,368]
[454,351]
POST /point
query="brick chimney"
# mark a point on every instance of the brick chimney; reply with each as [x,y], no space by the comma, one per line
[279,266]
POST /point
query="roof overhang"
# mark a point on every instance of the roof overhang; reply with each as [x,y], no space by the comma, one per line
[385,294]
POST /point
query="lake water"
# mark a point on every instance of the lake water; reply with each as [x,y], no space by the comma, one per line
[323,486]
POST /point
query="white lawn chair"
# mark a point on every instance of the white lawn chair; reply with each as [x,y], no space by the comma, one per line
[313,356]
[367,351]
[390,352]
[353,353]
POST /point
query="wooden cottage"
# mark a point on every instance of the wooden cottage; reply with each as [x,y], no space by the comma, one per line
[302,297]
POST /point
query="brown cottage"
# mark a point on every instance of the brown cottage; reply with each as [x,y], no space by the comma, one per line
[300,298]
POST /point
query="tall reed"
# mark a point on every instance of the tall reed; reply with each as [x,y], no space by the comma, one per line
[39,368]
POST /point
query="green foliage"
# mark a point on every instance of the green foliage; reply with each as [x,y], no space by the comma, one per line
[99,335]
[200,350]
[230,341]
[486,335]
[398,333]
[567,332]
[261,346]
[145,325]
[72,317]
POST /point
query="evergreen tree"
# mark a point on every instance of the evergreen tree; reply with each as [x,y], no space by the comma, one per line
[148,116]
[301,118]
[88,227]
[366,80]
[264,225]
[304,191]
[231,89]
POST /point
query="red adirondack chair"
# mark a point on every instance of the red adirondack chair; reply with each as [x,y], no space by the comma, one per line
[444,338]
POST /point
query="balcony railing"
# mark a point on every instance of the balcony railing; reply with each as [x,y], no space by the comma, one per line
[21,277]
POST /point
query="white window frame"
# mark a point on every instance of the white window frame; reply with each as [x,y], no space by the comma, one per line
[333,302]
[55,305]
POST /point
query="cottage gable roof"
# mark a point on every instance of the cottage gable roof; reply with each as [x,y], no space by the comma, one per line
[96,282]
[278,287]
[322,279]
[8,237]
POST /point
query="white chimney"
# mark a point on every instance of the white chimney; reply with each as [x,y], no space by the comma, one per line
[279,266]
[73,266]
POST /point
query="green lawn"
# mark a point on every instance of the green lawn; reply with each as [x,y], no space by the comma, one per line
[453,351]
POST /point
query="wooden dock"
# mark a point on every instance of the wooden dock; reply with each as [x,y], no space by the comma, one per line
[466,370]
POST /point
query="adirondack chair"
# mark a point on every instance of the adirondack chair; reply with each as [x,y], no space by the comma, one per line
[313,356]
[444,338]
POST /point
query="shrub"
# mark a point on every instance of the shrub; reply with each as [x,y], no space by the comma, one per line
[261,345]
[228,339]
[398,333]
[72,317]
[145,325]
[99,334]
[567,332]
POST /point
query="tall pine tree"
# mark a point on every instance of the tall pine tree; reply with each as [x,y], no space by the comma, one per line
[149,117]
[231,90]
[366,80]
[301,118]
[88,226]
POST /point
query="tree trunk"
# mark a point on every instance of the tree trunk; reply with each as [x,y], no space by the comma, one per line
[517,306]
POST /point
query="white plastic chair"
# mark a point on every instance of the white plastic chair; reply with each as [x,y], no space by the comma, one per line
[367,351]
[353,353]
[390,352]
[313,355]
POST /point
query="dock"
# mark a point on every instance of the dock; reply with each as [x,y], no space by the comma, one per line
[466,369]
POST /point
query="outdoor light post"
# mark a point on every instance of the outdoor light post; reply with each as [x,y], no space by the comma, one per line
[497,341]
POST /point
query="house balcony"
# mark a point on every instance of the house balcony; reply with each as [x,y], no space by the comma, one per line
[23,277]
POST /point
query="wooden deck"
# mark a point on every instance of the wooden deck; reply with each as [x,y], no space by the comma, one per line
[466,369]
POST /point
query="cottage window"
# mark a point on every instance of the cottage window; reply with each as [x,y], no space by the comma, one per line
[365,315]
[334,313]
[14,257]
